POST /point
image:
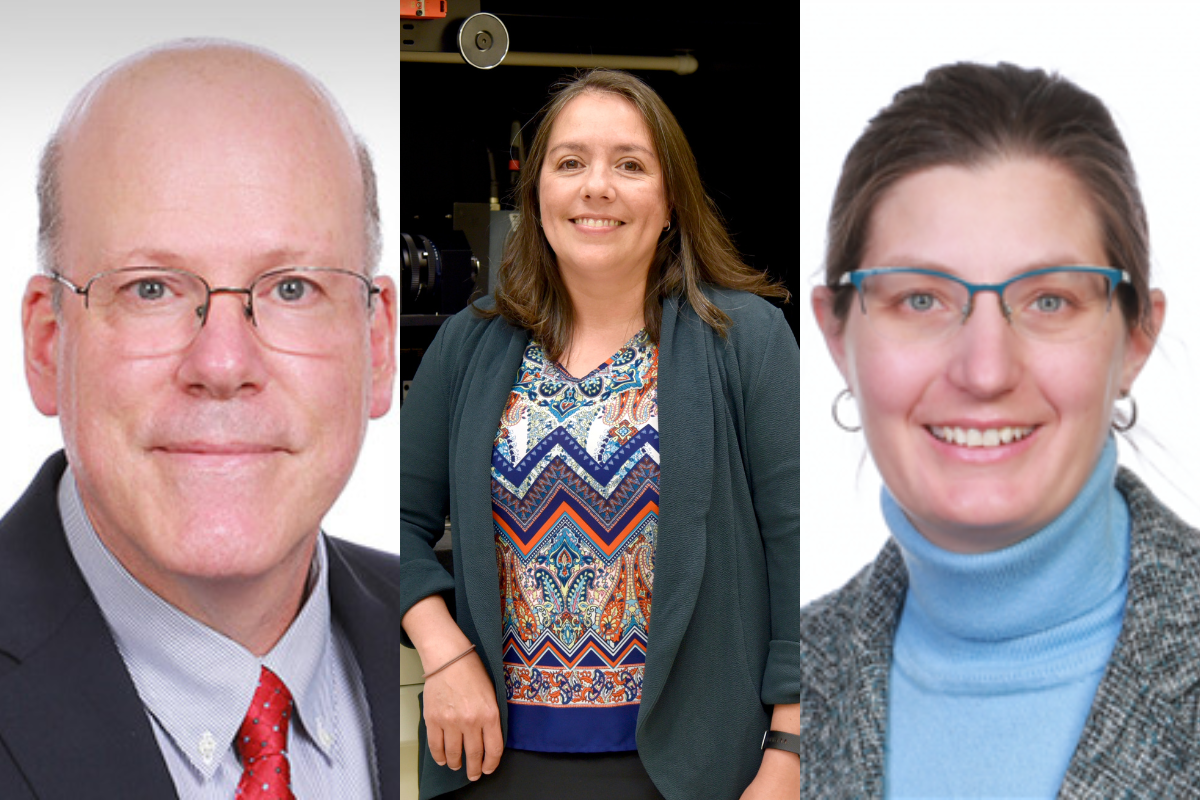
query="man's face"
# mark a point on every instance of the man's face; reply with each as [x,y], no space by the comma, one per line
[216,462]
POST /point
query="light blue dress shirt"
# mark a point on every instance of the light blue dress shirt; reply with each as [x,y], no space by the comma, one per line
[196,684]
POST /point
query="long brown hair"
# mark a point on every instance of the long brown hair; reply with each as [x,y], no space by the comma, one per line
[697,250]
[969,114]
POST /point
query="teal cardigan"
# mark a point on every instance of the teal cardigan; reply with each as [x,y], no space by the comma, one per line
[725,610]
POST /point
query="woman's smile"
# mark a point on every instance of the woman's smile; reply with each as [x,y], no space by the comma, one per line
[979,437]
[597,224]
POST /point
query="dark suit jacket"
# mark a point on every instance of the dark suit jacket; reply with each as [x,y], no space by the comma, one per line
[71,723]
[726,598]
[1142,737]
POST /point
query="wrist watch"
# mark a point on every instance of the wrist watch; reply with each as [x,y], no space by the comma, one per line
[781,741]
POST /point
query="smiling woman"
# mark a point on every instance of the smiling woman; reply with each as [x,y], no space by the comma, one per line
[987,301]
[677,240]
[603,208]
[988,223]
[603,619]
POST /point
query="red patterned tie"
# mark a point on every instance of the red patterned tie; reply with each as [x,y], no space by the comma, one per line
[262,742]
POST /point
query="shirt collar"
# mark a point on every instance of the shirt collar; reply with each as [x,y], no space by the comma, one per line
[196,682]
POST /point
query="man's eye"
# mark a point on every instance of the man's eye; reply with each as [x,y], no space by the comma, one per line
[293,290]
[146,290]
[150,289]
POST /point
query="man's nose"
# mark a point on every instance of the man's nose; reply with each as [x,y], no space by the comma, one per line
[987,352]
[225,357]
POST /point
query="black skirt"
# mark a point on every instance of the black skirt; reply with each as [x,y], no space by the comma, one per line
[530,775]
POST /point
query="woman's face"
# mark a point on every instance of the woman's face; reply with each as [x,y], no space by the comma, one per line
[985,225]
[601,190]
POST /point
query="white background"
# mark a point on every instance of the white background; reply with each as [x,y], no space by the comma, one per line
[49,50]
[1143,61]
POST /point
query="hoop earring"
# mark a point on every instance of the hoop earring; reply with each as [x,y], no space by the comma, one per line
[837,401]
[1122,427]
[667,227]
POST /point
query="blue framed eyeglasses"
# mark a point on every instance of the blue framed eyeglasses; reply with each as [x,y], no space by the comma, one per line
[1051,304]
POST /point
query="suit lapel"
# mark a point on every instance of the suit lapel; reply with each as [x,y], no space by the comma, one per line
[69,714]
[72,719]
[370,622]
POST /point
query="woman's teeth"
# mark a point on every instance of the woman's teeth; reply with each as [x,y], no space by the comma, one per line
[597,223]
[974,437]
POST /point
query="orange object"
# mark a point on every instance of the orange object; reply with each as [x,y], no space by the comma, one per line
[422,9]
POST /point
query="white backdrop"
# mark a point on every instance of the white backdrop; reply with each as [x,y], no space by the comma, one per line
[49,50]
[1141,59]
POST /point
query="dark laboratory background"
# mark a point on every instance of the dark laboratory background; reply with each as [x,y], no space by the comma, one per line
[739,109]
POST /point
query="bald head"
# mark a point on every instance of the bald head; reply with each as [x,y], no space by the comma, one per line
[201,110]
[208,436]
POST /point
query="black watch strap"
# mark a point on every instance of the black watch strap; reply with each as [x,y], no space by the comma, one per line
[781,741]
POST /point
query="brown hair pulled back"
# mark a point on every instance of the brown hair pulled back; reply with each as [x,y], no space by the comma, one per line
[969,114]
[695,251]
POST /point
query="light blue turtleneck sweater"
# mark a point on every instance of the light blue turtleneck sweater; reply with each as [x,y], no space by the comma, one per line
[998,655]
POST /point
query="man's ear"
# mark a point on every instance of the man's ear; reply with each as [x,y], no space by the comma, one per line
[832,327]
[383,347]
[40,325]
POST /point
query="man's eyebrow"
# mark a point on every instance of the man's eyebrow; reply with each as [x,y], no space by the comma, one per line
[288,257]
[623,147]
[145,256]
[157,256]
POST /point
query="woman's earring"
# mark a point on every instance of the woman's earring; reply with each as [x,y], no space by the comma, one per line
[837,401]
[667,227]
[1130,419]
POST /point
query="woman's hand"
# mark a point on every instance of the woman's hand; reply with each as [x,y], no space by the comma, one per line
[778,777]
[461,715]
[779,774]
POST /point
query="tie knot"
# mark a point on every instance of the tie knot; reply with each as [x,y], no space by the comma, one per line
[262,740]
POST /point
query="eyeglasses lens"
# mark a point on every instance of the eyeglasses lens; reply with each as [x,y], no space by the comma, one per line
[1053,306]
[154,311]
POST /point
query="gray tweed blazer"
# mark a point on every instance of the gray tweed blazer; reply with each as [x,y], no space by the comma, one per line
[1142,736]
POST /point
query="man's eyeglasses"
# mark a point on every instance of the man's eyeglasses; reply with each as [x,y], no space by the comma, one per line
[158,310]
[1055,304]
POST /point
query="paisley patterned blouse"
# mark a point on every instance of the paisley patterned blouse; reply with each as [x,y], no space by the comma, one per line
[575,469]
